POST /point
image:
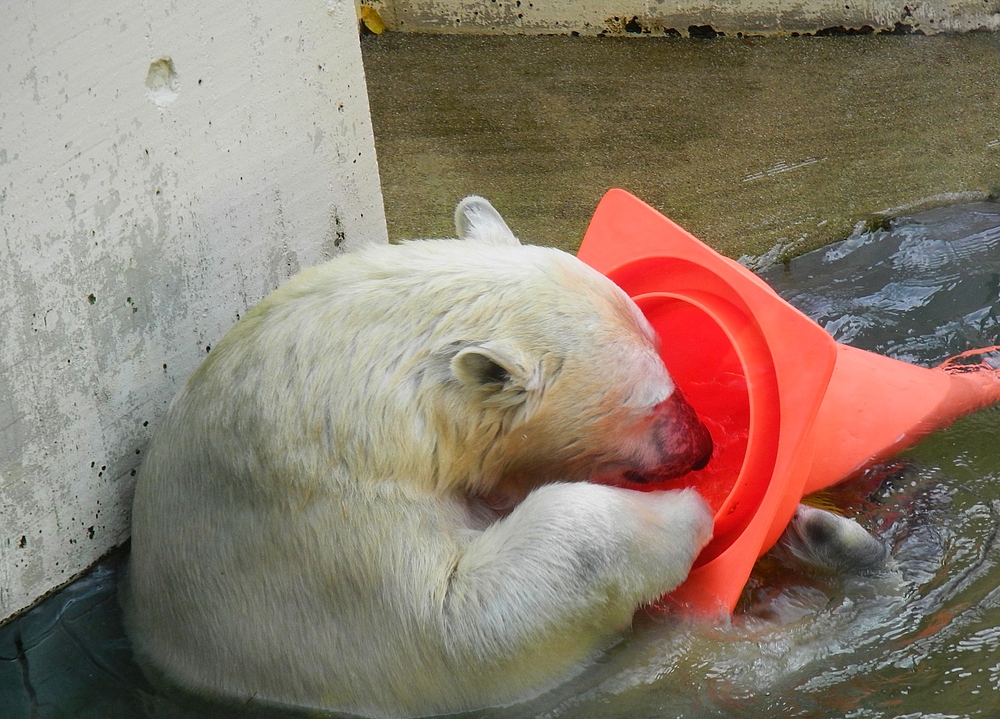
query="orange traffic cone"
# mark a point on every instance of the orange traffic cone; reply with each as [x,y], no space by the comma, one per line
[790,410]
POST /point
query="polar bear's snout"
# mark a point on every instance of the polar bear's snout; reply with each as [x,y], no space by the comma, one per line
[684,442]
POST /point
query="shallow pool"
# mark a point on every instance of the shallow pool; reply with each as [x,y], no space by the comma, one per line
[921,639]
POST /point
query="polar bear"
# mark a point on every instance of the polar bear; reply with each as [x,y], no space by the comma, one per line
[829,542]
[371,496]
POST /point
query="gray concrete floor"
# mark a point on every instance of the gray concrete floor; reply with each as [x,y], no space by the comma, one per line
[749,143]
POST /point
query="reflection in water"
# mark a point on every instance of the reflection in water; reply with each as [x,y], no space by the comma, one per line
[920,639]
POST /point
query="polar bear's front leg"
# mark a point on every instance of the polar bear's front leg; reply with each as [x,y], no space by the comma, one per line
[561,576]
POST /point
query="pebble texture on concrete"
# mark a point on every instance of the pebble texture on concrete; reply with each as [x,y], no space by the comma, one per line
[688,18]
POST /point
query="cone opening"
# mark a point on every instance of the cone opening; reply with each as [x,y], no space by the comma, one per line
[718,358]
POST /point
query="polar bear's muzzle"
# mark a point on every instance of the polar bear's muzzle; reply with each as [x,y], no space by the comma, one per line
[684,443]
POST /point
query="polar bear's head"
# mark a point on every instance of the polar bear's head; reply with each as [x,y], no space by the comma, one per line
[553,373]
[470,364]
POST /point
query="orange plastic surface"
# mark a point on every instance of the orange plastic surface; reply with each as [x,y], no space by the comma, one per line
[790,411]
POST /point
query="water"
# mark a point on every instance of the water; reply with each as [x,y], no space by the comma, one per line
[923,291]
[920,640]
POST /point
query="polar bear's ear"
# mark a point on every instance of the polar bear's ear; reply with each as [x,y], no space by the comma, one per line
[504,379]
[485,367]
[495,372]
[477,220]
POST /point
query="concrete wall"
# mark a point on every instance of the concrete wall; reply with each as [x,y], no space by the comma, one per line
[687,17]
[163,165]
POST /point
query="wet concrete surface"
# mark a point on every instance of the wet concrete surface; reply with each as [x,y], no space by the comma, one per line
[759,146]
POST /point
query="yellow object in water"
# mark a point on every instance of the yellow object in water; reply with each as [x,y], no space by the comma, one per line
[372,20]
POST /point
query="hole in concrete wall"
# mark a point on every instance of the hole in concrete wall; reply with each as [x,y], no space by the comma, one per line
[161,82]
[704,32]
[841,31]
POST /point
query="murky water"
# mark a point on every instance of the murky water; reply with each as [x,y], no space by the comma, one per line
[921,639]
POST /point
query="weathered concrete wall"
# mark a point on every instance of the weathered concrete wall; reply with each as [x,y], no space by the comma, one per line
[687,17]
[162,167]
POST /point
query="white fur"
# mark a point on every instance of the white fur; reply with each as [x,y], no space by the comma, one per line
[477,220]
[315,521]
[827,541]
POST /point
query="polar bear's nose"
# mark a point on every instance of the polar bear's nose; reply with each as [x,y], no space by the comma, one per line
[685,443]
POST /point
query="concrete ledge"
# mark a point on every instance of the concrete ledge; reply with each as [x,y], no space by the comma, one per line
[688,17]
